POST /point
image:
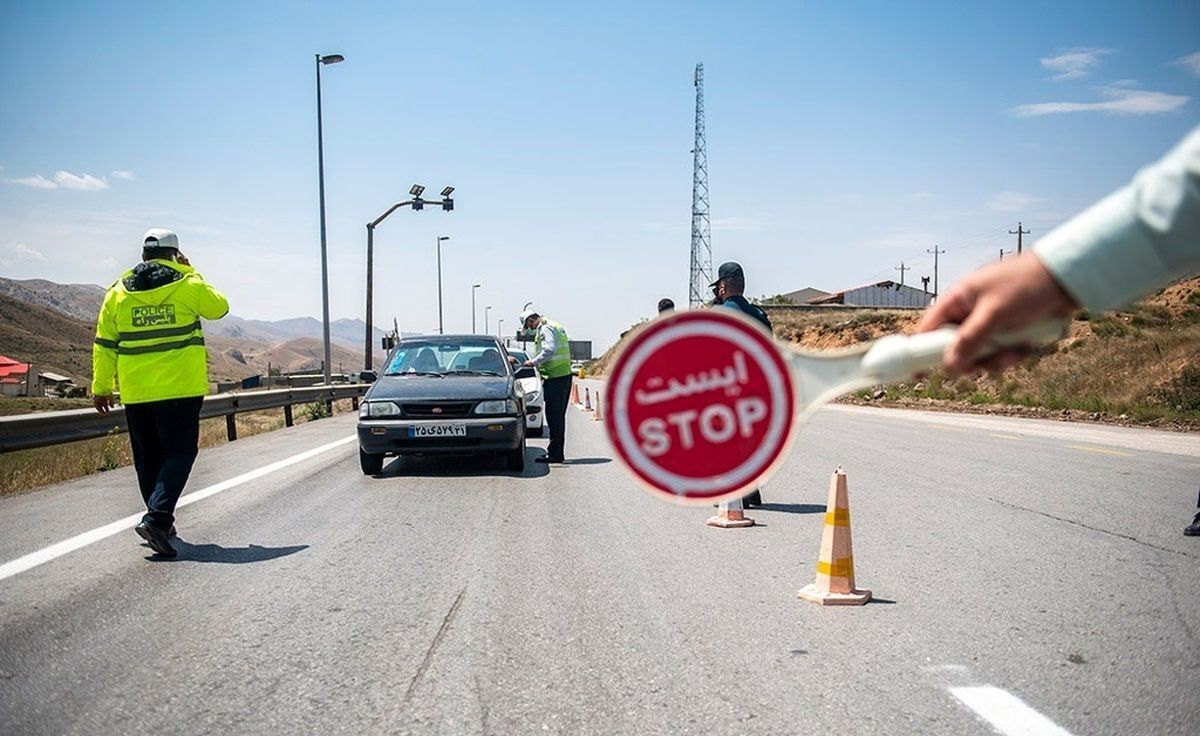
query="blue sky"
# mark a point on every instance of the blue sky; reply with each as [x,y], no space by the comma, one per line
[842,140]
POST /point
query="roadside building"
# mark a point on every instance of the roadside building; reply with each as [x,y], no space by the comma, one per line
[14,377]
[889,294]
[803,296]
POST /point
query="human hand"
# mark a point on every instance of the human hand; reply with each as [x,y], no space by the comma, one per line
[528,364]
[102,402]
[1009,295]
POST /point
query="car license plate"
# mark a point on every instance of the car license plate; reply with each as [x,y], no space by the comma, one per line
[438,430]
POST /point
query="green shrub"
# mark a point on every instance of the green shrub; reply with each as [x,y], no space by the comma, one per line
[314,411]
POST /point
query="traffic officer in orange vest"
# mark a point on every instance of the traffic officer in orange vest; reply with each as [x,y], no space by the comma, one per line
[149,338]
[553,360]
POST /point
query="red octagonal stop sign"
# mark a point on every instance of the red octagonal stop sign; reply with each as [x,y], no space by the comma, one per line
[700,405]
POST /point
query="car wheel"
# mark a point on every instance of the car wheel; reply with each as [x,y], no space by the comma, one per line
[370,464]
[535,431]
[515,459]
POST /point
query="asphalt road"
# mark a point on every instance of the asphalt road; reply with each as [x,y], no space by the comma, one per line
[1044,560]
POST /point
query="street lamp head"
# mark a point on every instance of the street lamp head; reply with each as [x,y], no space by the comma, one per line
[476,286]
[416,190]
[447,191]
[332,59]
[443,237]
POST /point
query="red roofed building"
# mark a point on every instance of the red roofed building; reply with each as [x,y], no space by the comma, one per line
[13,375]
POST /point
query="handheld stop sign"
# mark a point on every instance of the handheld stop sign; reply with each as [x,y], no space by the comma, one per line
[702,406]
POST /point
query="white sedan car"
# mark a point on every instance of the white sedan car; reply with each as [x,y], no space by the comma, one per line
[531,382]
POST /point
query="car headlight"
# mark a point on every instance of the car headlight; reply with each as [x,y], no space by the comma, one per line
[376,409]
[496,407]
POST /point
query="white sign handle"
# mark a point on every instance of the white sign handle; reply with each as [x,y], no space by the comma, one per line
[900,357]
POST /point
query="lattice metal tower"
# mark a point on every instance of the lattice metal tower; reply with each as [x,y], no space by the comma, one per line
[701,270]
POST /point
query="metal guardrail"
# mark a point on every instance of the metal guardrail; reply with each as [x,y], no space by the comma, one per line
[25,431]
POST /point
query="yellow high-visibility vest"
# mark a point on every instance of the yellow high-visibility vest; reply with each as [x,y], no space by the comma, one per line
[151,341]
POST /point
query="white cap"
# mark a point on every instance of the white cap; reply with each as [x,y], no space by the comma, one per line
[526,315]
[157,237]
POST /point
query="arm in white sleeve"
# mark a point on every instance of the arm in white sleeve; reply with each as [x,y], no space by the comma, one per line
[549,345]
[1135,240]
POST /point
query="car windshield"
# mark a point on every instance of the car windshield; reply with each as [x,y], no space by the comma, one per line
[438,358]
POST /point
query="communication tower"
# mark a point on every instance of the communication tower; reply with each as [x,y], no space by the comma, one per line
[700,275]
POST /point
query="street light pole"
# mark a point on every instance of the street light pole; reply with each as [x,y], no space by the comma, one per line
[441,324]
[486,314]
[500,327]
[327,59]
[473,288]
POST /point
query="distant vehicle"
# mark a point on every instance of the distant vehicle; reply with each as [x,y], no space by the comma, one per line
[531,383]
[444,394]
[577,366]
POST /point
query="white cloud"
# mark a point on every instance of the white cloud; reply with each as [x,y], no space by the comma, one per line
[64,180]
[737,224]
[81,182]
[1011,201]
[36,182]
[1121,101]
[1074,63]
[1191,62]
[20,252]
[127,175]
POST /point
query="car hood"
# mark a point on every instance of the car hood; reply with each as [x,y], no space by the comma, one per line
[450,388]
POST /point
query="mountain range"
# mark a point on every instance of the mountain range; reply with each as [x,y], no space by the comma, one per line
[52,325]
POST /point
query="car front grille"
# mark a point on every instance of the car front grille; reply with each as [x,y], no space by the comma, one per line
[437,409]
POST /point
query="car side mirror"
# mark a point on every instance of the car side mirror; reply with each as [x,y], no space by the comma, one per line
[367,377]
[530,410]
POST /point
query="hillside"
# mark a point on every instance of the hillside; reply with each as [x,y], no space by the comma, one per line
[55,342]
[1138,365]
[78,301]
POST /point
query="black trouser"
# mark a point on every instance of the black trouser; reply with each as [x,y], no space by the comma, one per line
[165,436]
[558,396]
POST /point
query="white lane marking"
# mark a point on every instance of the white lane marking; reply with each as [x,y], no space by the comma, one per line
[46,554]
[1007,713]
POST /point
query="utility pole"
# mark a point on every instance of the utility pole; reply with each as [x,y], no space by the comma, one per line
[936,252]
[925,284]
[902,269]
[1006,252]
[1018,232]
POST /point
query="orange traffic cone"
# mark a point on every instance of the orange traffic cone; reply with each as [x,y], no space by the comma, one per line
[835,568]
[597,417]
[730,516]
[587,399]
[575,393]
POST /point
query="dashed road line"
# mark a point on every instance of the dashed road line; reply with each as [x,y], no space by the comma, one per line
[1101,450]
[79,541]
[1007,713]
[999,436]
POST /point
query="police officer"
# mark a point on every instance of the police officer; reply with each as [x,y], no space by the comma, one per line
[728,291]
[553,360]
[149,337]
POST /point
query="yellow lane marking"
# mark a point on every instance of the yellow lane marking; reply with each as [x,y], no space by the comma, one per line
[1005,436]
[1101,450]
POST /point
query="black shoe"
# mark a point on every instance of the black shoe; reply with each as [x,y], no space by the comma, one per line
[156,538]
[549,460]
[753,499]
[1193,529]
[171,534]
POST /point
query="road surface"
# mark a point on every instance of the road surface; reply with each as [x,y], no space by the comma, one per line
[1028,575]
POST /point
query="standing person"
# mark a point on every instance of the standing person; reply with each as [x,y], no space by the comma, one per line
[149,337]
[666,305]
[1137,239]
[729,291]
[553,361]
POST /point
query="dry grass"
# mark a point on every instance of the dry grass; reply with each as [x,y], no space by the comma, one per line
[27,469]
[1137,365]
